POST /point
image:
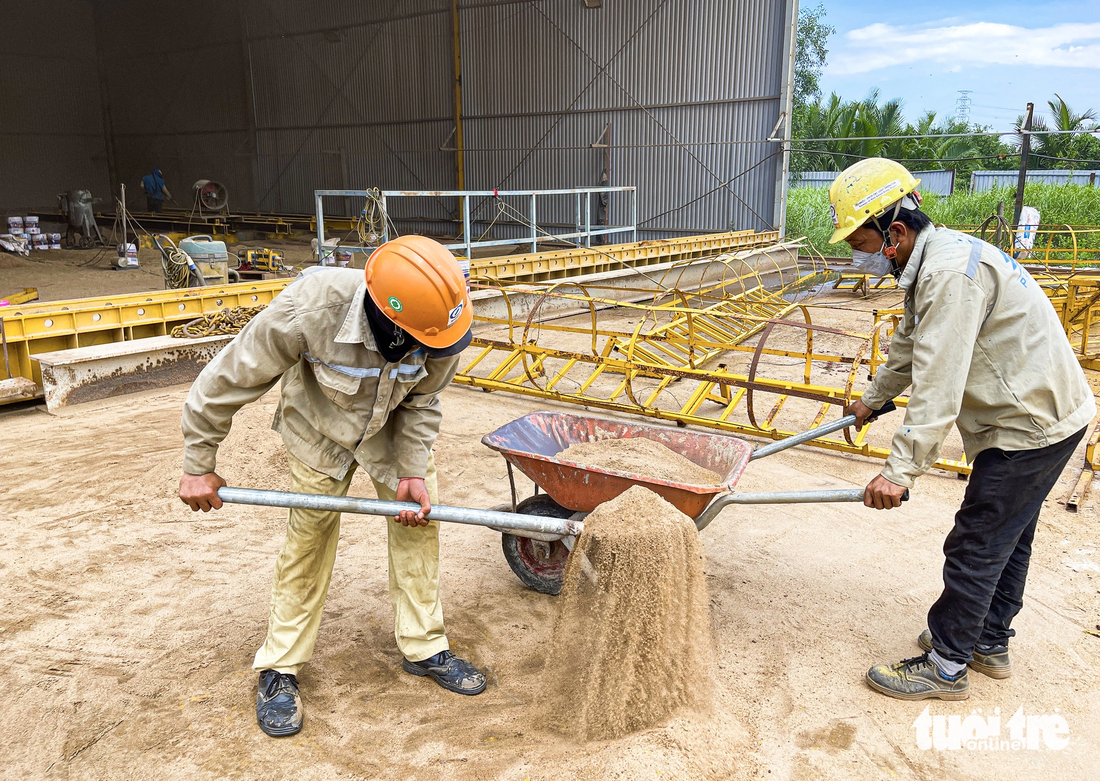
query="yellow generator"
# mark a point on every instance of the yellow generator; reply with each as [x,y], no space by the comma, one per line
[262,259]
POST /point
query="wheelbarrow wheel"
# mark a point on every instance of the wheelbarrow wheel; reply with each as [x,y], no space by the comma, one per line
[539,565]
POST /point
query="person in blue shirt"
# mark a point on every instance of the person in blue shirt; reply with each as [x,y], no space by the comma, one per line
[155,191]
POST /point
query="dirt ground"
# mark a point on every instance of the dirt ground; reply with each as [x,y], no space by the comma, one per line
[128,624]
[74,273]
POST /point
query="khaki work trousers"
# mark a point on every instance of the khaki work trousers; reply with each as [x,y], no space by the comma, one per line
[303,571]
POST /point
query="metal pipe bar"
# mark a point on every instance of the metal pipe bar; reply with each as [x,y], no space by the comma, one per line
[805,436]
[513,523]
[776,497]
[534,225]
[478,193]
[814,433]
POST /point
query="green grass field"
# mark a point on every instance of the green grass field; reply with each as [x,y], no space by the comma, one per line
[808,212]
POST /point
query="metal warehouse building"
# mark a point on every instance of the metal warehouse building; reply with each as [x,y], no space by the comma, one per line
[276,99]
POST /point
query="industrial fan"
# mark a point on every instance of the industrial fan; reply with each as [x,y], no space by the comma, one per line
[210,196]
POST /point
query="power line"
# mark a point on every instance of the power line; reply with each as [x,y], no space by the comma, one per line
[1019,132]
[1063,160]
[911,159]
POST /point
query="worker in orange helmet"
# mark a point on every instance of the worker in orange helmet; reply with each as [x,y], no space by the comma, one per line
[362,363]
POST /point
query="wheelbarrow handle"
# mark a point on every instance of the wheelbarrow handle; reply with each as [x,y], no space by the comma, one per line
[814,433]
[781,497]
[519,524]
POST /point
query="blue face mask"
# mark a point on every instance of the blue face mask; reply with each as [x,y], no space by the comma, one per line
[874,263]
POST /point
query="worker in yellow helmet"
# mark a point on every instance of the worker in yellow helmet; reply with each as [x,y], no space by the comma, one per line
[362,362]
[982,348]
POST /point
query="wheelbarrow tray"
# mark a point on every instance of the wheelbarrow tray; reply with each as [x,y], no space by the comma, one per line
[533,442]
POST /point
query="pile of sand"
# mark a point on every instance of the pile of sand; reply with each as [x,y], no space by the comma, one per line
[640,456]
[634,646]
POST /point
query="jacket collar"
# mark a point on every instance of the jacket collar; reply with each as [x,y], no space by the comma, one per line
[912,266]
[355,329]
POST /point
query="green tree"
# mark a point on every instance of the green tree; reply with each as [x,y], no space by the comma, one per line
[1063,150]
[810,54]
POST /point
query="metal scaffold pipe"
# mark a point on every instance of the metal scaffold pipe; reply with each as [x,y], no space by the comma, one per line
[514,523]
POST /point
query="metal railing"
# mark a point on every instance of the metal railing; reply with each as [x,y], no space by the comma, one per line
[582,233]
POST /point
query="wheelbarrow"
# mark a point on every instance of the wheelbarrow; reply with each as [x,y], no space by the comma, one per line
[538,533]
[533,443]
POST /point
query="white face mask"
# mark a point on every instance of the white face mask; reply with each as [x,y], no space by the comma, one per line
[874,263]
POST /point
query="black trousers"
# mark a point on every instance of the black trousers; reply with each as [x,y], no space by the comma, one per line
[989,548]
[154,204]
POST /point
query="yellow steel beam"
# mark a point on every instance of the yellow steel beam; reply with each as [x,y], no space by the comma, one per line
[61,325]
[28,294]
[523,387]
[560,264]
[1081,487]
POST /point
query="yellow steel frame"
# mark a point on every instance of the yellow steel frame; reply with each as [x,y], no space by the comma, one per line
[62,325]
[1061,248]
[562,264]
[27,294]
[1081,487]
[675,355]
[857,282]
[1076,300]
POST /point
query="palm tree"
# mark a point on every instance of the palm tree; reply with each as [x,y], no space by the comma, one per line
[1061,145]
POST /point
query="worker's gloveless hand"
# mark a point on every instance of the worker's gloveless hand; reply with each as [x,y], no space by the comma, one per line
[861,411]
[200,492]
[412,489]
[881,494]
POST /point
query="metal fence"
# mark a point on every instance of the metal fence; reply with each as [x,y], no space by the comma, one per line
[980,181]
[938,182]
[583,228]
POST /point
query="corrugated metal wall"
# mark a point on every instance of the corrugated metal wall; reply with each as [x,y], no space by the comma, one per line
[276,98]
[51,134]
[980,181]
[351,96]
[177,83]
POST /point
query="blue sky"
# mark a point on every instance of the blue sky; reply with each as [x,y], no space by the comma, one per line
[1007,53]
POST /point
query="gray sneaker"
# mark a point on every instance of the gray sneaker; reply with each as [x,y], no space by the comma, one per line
[917,679]
[994,662]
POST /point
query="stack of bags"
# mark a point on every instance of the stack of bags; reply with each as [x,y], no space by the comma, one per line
[24,234]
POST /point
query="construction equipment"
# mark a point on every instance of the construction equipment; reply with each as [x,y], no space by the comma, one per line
[76,205]
[210,196]
[532,444]
[260,259]
[198,261]
[179,269]
[539,534]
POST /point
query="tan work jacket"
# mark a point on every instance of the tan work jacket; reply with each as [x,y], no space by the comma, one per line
[983,348]
[341,400]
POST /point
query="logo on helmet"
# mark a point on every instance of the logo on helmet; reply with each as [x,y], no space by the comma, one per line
[832,213]
[395,303]
[453,315]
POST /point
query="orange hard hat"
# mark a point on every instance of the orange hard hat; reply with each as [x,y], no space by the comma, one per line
[418,284]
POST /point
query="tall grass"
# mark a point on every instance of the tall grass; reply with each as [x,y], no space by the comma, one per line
[808,211]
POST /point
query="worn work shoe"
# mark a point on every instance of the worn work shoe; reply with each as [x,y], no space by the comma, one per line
[450,672]
[917,679]
[278,704]
[994,662]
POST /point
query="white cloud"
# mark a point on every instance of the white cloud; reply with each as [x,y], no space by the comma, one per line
[981,43]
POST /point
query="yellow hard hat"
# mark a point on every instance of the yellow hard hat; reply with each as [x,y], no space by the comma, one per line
[864,190]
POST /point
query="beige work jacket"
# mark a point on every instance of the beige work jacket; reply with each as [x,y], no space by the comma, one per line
[341,400]
[983,349]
